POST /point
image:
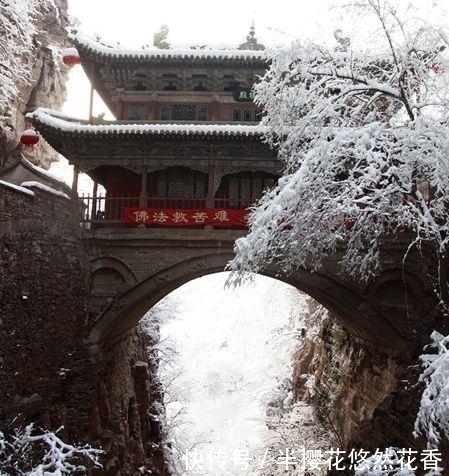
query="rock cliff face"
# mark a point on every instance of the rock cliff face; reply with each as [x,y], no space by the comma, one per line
[46,86]
[365,397]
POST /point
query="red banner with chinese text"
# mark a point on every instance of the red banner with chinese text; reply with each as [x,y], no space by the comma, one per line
[216,217]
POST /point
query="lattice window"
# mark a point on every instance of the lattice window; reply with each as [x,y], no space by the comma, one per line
[161,185]
[202,112]
[200,187]
[245,115]
[234,191]
[180,182]
[165,112]
[137,112]
[245,189]
[257,187]
[183,112]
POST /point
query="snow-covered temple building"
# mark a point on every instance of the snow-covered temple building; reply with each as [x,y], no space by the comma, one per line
[185,148]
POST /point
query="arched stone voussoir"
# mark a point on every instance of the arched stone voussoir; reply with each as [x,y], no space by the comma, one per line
[358,314]
[127,309]
[110,262]
[355,312]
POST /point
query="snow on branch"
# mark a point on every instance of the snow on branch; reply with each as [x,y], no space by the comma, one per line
[432,421]
[27,452]
[364,139]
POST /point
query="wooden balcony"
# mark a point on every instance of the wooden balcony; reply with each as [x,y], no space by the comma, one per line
[103,211]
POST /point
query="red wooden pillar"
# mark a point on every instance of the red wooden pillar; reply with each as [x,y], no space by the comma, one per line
[143,198]
[210,186]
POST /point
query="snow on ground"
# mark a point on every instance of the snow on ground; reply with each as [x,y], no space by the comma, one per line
[234,349]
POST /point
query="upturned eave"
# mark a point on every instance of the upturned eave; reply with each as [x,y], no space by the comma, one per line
[74,138]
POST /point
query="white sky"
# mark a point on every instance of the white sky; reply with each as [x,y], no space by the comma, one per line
[200,21]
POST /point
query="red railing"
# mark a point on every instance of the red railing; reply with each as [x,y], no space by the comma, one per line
[109,210]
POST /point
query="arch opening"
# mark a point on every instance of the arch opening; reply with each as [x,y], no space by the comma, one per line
[225,369]
[125,312]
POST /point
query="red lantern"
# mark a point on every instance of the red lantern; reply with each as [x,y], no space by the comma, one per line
[70,56]
[29,137]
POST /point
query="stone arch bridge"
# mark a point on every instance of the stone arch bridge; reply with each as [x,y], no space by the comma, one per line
[132,269]
[389,318]
[146,168]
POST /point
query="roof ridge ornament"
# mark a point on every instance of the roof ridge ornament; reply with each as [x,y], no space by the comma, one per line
[251,41]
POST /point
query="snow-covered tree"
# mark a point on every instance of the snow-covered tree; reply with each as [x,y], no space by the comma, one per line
[432,419]
[28,452]
[363,135]
[18,20]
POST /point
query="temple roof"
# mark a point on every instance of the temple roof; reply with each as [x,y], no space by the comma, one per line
[45,119]
[128,145]
[92,47]
[116,71]
[22,170]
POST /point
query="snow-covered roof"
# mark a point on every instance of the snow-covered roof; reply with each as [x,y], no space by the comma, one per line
[16,188]
[11,174]
[58,121]
[83,41]
[42,171]
[41,186]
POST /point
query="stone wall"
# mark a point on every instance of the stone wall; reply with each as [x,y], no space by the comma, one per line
[49,373]
[44,289]
[134,267]
[119,414]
